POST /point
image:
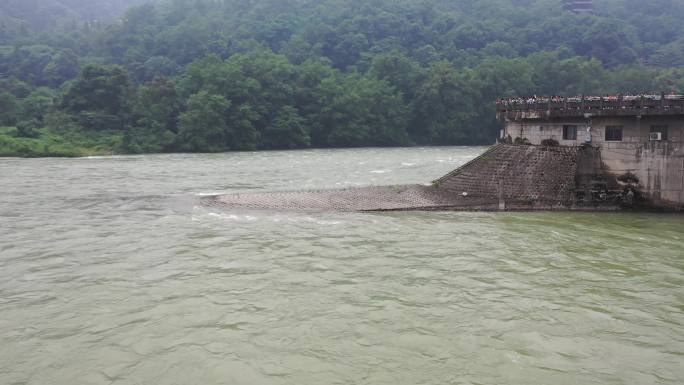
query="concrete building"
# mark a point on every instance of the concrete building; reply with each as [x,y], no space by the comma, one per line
[639,138]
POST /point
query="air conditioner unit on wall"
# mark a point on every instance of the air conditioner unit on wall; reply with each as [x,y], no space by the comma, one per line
[655,136]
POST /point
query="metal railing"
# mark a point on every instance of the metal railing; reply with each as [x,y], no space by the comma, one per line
[602,105]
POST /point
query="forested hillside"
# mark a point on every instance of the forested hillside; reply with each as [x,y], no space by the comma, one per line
[218,75]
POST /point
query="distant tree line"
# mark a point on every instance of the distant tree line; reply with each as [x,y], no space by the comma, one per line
[220,75]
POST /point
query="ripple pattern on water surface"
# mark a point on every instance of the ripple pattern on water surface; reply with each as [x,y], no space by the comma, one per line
[112,273]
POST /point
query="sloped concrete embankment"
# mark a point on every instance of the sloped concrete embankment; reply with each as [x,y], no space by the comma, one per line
[510,177]
[505,177]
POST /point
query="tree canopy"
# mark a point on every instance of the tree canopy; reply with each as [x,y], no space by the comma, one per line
[218,75]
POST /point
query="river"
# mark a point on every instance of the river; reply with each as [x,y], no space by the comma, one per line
[112,273]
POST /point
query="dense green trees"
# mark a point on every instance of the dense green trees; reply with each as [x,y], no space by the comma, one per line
[217,75]
[364,112]
[8,108]
[155,117]
[204,126]
[444,106]
[101,98]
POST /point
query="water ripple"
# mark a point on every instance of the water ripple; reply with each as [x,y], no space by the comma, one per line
[110,272]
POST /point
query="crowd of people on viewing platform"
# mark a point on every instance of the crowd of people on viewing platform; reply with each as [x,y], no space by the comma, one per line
[613,98]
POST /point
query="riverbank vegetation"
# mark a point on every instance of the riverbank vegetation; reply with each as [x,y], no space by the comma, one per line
[221,75]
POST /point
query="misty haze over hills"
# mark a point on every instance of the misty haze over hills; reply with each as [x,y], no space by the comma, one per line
[622,32]
[46,14]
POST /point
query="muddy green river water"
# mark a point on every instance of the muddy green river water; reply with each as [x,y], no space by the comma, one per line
[111,272]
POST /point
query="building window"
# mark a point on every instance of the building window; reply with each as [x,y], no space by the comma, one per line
[613,133]
[662,130]
[569,132]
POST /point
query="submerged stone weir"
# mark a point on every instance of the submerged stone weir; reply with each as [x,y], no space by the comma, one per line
[505,177]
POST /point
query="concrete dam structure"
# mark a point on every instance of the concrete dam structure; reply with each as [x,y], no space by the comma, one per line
[505,177]
[585,153]
[639,138]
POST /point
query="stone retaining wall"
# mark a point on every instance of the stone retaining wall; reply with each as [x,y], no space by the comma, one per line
[518,174]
